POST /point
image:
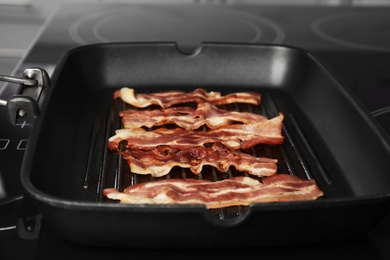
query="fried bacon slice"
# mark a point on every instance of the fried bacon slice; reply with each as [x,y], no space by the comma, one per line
[187,117]
[236,136]
[233,191]
[169,98]
[159,161]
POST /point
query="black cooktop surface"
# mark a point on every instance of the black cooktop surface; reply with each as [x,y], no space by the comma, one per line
[353,41]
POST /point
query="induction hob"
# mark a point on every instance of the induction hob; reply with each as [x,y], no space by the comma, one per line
[353,41]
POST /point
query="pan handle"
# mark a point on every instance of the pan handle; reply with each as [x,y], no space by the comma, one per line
[24,81]
[25,105]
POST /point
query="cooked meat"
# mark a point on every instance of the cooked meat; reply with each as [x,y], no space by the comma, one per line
[154,148]
[169,98]
[187,117]
[236,136]
[228,192]
[160,160]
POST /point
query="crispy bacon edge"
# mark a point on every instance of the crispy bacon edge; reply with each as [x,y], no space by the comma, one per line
[235,191]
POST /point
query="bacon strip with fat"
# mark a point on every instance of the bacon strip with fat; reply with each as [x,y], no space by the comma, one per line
[187,117]
[159,161]
[233,191]
[169,98]
[235,136]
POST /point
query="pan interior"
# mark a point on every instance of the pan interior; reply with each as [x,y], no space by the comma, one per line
[71,162]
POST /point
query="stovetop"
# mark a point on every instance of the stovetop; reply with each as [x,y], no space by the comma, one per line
[353,41]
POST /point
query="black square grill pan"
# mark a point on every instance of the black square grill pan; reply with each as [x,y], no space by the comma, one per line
[330,137]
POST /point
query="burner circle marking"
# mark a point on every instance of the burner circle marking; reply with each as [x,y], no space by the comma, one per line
[105,16]
[317,24]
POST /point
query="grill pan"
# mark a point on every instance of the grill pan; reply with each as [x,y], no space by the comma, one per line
[330,137]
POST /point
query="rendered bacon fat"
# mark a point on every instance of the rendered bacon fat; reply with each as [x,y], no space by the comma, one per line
[162,159]
[187,117]
[169,98]
[236,136]
[233,191]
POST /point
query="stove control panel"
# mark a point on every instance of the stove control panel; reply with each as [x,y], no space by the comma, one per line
[13,143]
